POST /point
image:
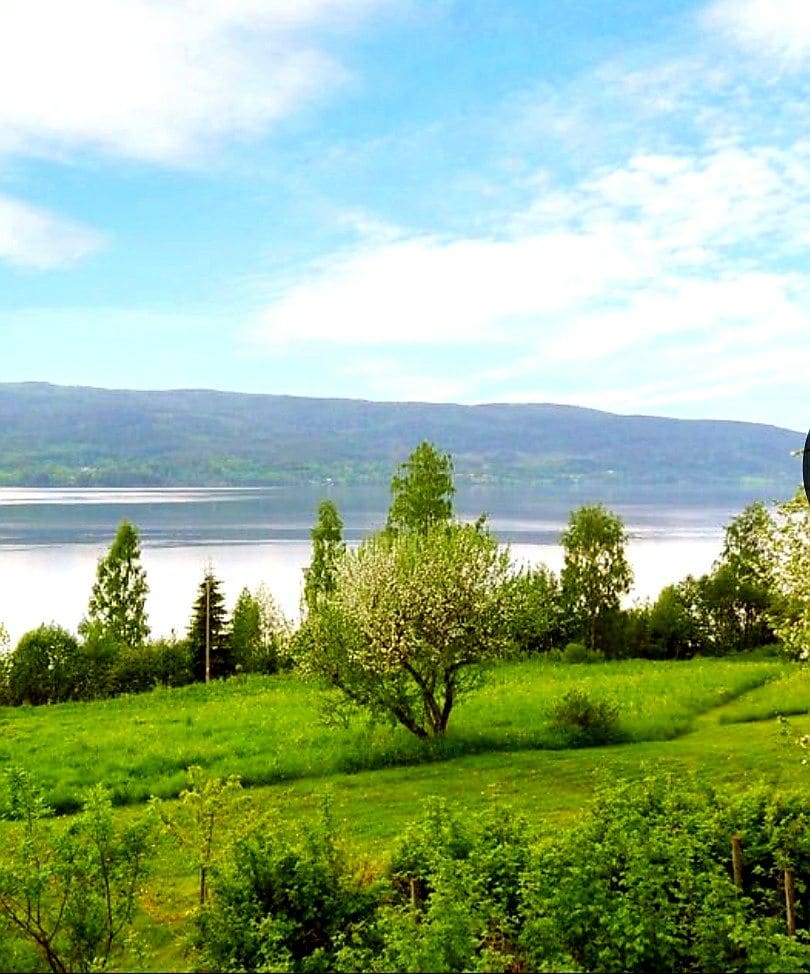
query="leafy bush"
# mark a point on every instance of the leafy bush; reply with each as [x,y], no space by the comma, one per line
[455,895]
[583,721]
[45,667]
[285,902]
[644,883]
[172,662]
[166,662]
[70,893]
[575,653]
[135,670]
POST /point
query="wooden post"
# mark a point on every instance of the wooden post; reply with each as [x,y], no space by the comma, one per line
[208,627]
[736,860]
[790,902]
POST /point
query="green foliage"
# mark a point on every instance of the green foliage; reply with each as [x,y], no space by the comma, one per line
[245,632]
[284,902]
[575,653]
[596,573]
[422,491]
[534,608]
[674,625]
[259,633]
[411,615]
[164,662]
[45,667]
[205,809]
[584,721]
[99,651]
[71,892]
[118,600]
[643,883]
[328,549]
[790,613]
[209,627]
[456,882]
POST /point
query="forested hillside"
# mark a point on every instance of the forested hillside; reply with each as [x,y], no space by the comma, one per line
[58,436]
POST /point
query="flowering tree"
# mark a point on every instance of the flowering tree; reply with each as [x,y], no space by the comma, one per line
[790,616]
[410,617]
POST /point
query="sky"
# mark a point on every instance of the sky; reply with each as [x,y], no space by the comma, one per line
[598,202]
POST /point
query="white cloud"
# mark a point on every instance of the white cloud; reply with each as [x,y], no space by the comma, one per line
[158,80]
[426,289]
[774,28]
[33,237]
[663,245]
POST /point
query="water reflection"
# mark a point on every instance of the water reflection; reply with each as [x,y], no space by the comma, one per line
[50,540]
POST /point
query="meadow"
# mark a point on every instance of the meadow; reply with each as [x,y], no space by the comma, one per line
[278,729]
[711,716]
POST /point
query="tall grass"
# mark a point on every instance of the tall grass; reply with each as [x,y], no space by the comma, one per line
[270,729]
[787,696]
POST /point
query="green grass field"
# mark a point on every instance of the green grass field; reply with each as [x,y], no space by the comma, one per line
[712,716]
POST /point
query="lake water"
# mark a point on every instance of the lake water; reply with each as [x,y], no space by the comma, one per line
[50,540]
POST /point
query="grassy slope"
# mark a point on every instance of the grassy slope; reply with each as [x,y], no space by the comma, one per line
[709,715]
[270,730]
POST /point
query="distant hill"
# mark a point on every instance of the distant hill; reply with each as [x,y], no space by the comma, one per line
[64,436]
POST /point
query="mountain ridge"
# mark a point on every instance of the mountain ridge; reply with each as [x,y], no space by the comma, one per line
[54,435]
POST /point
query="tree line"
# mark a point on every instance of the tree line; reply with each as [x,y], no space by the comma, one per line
[404,623]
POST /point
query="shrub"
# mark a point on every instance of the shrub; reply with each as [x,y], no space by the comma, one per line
[69,892]
[136,669]
[583,721]
[644,883]
[456,890]
[172,662]
[45,667]
[285,902]
[575,653]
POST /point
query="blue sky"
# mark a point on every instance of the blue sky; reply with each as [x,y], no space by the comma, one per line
[591,202]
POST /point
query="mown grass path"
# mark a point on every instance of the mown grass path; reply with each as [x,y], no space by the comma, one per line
[270,730]
[713,717]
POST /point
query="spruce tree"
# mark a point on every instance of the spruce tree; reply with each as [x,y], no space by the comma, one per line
[209,612]
[117,608]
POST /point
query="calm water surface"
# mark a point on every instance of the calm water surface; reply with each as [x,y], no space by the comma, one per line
[50,540]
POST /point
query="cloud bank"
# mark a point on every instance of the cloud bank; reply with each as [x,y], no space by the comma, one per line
[161,81]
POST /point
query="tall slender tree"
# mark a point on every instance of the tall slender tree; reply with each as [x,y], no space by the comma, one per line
[328,549]
[208,629]
[117,608]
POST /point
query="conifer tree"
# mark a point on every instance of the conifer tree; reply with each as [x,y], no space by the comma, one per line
[209,613]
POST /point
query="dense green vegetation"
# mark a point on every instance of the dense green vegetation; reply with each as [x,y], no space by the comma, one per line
[53,435]
[504,753]
[214,784]
[275,729]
